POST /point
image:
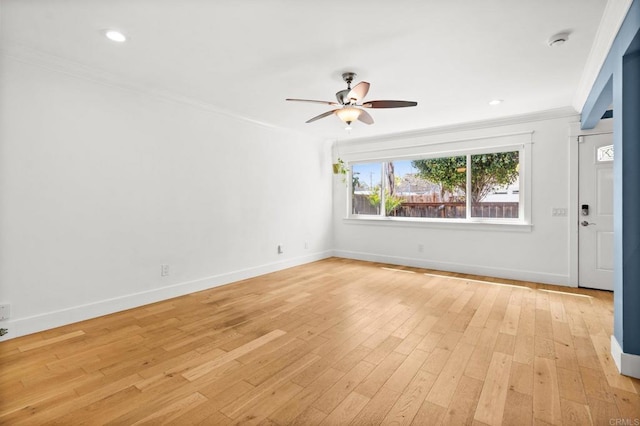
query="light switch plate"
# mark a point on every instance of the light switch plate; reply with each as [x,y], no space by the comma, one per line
[559,212]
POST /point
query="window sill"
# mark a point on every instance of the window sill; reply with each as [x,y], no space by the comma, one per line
[457,224]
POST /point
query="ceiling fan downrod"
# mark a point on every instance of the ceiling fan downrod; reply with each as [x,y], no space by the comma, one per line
[348,77]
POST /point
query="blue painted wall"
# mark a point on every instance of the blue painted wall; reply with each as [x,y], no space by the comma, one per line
[630,87]
[619,83]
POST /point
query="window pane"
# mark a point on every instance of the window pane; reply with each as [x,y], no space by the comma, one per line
[434,187]
[605,153]
[365,188]
[495,185]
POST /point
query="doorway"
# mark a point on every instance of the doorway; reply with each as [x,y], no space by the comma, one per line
[595,211]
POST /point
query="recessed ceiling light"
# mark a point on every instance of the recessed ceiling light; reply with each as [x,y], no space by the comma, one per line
[495,102]
[116,36]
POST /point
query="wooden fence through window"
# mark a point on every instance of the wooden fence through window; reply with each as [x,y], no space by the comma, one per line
[449,210]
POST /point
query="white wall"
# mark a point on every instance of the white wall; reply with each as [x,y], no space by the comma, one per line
[539,252]
[100,185]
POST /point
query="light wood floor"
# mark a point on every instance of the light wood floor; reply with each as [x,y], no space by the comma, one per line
[332,342]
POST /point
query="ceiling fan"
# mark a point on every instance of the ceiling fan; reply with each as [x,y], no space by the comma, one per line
[350,110]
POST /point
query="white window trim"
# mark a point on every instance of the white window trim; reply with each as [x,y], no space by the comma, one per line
[522,223]
[409,222]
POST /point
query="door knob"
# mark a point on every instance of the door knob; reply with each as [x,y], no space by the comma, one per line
[585,223]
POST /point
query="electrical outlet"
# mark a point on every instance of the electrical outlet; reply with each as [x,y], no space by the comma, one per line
[164,270]
[5,311]
[306,245]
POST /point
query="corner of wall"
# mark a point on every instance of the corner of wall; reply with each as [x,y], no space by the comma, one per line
[628,364]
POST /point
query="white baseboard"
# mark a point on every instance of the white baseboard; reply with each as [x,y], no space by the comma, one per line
[628,364]
[23,326]
[513,274]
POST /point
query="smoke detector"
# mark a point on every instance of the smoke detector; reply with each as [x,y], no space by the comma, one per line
[558,39]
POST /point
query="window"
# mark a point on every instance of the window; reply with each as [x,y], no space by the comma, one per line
[473,187]
[366,184]
[605,153]
[438,189]
[492,177]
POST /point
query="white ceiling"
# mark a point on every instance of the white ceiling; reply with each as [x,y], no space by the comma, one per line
[246,57]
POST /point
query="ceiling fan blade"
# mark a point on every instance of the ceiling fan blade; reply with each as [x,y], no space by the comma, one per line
[315,102]
[359,91]
[389,104]
[365,117]
[323,115]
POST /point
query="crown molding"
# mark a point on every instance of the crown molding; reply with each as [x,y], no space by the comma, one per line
[79,70]
[614,14]
[557,113]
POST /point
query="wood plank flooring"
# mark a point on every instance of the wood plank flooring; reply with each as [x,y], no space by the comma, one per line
[333,342]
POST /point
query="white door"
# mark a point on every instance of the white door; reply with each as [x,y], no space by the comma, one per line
[595,212]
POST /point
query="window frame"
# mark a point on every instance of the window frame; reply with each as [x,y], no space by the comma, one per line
[523,220]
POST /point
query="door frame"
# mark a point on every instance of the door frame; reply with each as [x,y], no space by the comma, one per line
[604,126]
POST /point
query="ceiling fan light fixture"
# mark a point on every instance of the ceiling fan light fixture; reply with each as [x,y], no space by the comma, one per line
[348,114]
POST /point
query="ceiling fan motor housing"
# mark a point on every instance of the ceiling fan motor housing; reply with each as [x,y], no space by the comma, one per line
[343,96]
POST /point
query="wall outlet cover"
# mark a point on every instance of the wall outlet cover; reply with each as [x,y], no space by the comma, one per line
[164,270]
[5,311]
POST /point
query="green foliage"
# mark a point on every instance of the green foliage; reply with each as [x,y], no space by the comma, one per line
[355,181]
[487,171]
[391,202]
[340,168]
[448,172]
